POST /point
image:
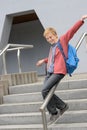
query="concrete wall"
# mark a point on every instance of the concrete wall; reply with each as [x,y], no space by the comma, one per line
[58,14]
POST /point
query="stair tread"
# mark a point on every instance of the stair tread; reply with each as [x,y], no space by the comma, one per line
[18,104]
[40,102]
[70,125]
[30,84]
[22,126]
[39,113]
[21,114]
[59,91]
[21,94]
[40,125]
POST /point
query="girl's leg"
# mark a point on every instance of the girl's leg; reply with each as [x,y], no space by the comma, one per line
[50,81]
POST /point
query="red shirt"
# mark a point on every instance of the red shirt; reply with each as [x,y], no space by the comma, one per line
[59,63]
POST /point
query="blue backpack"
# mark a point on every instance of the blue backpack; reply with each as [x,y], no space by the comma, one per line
[72,60]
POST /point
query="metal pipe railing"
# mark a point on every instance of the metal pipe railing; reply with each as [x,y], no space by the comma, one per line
[50,94]
[80,41]
[17,47]
[21,46]
[2,51]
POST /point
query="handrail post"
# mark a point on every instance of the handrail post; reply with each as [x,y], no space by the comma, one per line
[19,63]
[4,62]
[44,120]
[42,108]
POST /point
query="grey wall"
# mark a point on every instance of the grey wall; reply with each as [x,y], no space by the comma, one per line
[60,14]
[27,33]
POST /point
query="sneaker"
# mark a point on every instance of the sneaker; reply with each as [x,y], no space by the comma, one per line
[53,118]
[64,109]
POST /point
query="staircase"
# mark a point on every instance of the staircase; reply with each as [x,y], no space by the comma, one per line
[20,109]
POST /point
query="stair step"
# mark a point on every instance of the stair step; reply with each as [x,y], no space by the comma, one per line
[35,118]
[73,126]
[35,97]
[20,107]
[73,117]
[34,106]
[22,98]
[20,110]
[26,88]
[22,127]
[37,87]
[21,118]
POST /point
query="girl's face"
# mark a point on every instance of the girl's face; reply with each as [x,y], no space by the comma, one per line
[51,38]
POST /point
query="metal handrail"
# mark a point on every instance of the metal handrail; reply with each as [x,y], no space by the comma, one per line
[19,46]
[50,94]
[12,47]
[80,40]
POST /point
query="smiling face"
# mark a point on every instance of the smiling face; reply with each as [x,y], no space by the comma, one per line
[51,35]
[51,38]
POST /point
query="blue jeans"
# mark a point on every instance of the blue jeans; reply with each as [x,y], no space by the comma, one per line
[55,102]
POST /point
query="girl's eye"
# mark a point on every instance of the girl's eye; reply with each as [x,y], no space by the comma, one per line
[49,37]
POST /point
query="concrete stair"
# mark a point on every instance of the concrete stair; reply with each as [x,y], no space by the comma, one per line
[20,109]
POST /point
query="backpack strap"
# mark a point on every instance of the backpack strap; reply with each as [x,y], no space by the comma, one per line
[61,49]
[63,54]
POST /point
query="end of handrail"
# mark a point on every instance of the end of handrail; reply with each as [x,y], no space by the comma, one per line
[80,41]
[41,109]
[85,33]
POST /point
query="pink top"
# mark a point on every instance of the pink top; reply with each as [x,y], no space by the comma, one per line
[59,63]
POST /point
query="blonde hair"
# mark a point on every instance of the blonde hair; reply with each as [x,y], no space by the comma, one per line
[49,30]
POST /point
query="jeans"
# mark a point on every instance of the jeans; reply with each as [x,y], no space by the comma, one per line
[55,102]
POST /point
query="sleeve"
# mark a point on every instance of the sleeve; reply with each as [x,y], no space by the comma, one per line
[46,60]
[70,33]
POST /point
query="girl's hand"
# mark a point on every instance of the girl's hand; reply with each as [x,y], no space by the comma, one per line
[84,17]
[40,62]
